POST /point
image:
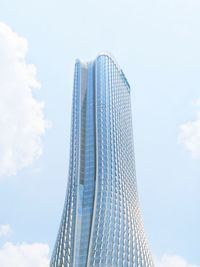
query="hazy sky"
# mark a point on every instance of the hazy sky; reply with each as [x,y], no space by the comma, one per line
[157,44]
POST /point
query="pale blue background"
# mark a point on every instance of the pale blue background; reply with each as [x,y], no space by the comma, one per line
[157,43]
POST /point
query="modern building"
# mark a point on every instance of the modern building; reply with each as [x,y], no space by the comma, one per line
[101,224]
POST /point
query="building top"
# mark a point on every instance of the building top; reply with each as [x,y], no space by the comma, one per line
[111,57]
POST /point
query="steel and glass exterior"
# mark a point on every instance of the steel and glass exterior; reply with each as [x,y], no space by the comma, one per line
[101,224]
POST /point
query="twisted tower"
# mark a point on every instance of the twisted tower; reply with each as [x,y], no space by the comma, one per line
[101,223]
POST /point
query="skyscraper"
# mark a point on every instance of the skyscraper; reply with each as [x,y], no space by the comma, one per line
[101,223]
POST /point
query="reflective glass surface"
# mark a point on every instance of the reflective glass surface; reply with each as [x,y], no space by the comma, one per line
[101,223]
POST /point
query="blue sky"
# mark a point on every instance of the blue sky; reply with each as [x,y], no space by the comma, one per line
[157,45]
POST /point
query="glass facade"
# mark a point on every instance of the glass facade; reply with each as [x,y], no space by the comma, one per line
[101,224]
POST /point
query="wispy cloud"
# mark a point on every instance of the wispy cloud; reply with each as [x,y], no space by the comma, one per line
[197,102]
[5,230]
[189,134]
[172,261]
[22,120]
[24,255]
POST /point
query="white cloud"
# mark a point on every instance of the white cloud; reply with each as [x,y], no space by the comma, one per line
[197,102]
[189,135]
[21,115]
[172,261]
[5,230]
[24,255]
